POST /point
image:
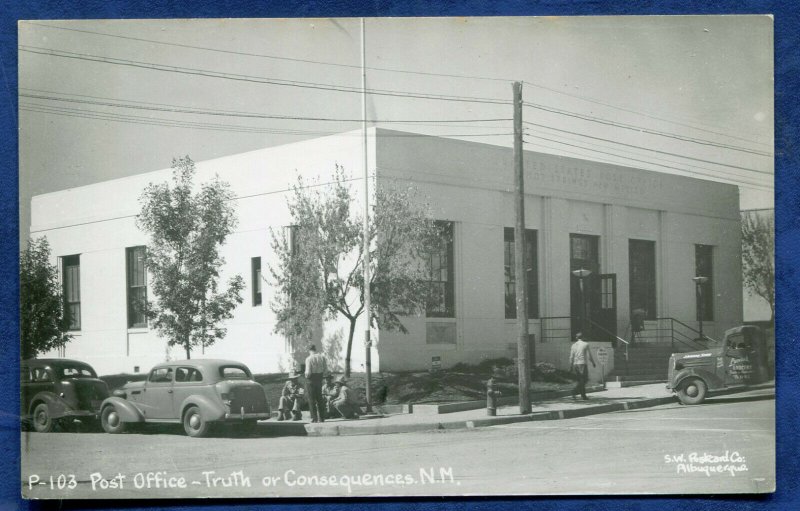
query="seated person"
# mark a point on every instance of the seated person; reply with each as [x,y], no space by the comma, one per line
[345,402]
[329,393]
[291,399]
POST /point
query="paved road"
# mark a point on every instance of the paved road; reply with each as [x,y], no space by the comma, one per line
[664,449]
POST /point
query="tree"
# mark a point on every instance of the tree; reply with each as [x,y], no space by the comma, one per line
[319,269]
[43,324]
[186,231]
[758,257]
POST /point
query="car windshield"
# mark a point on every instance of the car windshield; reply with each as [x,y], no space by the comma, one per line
[234,373]
[76,371]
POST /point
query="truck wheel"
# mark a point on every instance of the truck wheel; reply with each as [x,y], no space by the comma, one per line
[42,422]
[111,420]
[692,391]
[194,424]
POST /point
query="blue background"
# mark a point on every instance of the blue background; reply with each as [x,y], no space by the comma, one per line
[787,74]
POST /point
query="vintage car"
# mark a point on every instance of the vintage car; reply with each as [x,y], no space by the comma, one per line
[740,360]
[196,393]
[57,392]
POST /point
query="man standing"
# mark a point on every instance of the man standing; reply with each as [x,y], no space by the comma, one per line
[577,361]
[316,367]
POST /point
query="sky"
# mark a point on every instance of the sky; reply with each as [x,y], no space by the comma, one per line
[110,98]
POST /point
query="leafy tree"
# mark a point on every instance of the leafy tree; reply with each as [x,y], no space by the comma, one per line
[319,269]
[186,232]
[758,257]
[43,324]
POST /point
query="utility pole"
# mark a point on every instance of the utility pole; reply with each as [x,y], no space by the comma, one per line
[521,276]
[367,340]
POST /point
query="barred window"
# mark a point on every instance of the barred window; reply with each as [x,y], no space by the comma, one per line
[71,283]
[531,250]
[137,286]
[441,303]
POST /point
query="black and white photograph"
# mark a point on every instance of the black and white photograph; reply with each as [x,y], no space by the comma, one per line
[371,257]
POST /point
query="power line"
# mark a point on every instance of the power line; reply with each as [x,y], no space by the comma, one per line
[729,178]
[628,152]
[121,103]
[395,70]
[257,79]
[647,148]
[274,57]
[135,119]
[644,114]
[644,130]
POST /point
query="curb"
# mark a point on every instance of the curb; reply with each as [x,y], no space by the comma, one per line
[380,429]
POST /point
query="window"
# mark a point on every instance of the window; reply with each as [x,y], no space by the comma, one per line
[704,267]
[71,282]
[137,287]
[642,275]
[441,303]
[530,268]
[234,373]
[255,271]
[161,375]
[188,374]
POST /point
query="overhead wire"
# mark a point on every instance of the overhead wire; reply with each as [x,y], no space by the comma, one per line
[135,119]
[646,148]
[163,107]
[274,57]
[258,79]
[736,179]
[395,70]
[640,129]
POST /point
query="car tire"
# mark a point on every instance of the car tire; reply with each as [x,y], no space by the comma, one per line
[692,391]
[42,422]
[111,421]
[194,424]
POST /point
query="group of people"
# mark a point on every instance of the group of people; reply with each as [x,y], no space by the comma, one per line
[326,398]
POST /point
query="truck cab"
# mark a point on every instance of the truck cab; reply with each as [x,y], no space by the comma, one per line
[740,360]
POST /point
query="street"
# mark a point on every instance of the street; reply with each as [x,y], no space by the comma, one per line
[726,445]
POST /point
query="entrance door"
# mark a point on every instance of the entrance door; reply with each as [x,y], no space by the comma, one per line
[605,308]
[583,257]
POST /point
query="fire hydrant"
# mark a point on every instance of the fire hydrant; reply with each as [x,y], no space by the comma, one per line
[491,395]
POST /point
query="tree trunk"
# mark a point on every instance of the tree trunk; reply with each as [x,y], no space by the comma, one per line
[188,351]
[349,348]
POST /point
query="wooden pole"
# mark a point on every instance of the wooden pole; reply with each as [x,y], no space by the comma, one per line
[520,273]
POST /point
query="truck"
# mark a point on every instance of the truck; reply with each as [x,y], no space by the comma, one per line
[740,360]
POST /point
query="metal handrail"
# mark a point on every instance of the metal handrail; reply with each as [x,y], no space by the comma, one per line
[603,329]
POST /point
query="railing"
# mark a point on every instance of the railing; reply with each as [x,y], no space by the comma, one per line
[681,337]
[555,328]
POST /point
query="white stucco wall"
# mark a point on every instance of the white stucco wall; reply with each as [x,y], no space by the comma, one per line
[469,184]
[98,222]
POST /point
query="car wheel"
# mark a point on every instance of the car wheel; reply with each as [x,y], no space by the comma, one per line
[111,421]
[42,422]
[194,424]
[692,391]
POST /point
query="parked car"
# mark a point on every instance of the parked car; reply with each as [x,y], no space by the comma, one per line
[741,360]
[196,393]
[57,392]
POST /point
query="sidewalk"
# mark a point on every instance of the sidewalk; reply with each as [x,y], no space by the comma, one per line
[603,401]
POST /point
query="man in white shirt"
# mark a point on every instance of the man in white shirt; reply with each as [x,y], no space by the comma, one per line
[578,354]
[316,367]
